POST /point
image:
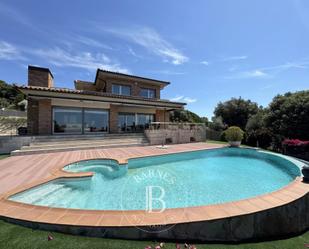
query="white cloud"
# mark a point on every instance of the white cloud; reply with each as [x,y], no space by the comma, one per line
[177,98]
[168,72]
[14,14]
[183,99]
[133,53]
[206,63]
[267,72]
[60,57]
[189,100]
[92,42]
[287,66]
[248,74]
[152,41]
[233,68]
[9,52]
[255,74]
[235,58]
[85,60]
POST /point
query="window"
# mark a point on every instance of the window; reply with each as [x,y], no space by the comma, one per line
[95,121]
[148,93]
[121,89]
[68,120]
[134,122]
[79,120]
[126,122]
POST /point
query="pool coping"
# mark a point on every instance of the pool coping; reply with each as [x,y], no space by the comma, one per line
[109,218]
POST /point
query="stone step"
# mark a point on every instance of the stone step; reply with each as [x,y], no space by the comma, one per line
[70,148]
[83,143]
[57,138]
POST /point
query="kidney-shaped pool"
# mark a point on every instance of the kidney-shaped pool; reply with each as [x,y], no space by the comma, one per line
[169,181]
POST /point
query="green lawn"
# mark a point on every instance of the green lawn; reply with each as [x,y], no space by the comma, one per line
[4,156]
[216,142]
[15,237]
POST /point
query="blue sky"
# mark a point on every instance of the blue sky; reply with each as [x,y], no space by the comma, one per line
[210,50]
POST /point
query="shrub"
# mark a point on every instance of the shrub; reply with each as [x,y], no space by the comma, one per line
[234,133]
[295,142]
[222,136]
[296,147]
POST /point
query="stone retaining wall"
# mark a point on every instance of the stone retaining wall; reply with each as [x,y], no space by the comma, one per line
[10,143]
[275,223]
[176,135]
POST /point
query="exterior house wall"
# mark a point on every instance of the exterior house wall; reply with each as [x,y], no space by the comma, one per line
[84,86]
[82,104]
[45,117]
[105,85]
[113,119]
[39,120]
[129,109]
[32,116]
[135,86]
[162,116]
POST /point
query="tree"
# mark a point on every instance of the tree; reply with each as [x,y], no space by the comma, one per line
[236,112]
[216,124]
[9,95]
[288,116]
[186,116]
[256,132]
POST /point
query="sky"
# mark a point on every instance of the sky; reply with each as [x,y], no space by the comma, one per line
[210,50]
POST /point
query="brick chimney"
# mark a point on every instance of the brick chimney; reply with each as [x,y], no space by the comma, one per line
[40,76]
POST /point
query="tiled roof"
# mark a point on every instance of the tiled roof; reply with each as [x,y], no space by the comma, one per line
[93,93]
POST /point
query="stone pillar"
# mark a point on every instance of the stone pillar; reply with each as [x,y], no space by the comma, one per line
[113,119]
[32,116]
[44,117]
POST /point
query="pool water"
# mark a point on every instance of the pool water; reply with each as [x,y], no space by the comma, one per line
[169,181]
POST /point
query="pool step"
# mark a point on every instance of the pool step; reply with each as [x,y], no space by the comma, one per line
[61,144]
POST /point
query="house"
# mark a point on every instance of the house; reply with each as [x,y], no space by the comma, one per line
[113,103]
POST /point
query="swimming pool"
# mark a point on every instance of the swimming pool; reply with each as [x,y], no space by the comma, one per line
[179,180]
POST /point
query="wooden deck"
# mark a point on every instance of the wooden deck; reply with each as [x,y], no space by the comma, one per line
[21,172]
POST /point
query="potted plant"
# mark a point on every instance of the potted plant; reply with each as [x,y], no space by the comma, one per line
[305,171]
[234,135]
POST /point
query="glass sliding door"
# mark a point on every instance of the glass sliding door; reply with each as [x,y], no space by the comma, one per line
[143,121]
[126,122]
[95,121]
[134,122]
[67,120]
